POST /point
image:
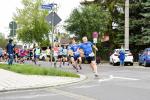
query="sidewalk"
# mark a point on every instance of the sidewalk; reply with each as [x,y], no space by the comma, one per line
[14,81]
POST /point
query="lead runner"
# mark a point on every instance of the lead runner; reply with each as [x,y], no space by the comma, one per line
[86,49]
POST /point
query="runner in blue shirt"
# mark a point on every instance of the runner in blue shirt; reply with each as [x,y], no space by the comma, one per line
[74,47]
[86,49]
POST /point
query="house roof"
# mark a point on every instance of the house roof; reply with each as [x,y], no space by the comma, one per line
[64,41]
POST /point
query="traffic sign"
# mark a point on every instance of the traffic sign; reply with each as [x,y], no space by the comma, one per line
[45,7]
[13,25]
[48,6]
[53,18]
[95,34]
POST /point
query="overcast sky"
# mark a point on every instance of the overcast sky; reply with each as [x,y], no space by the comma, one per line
[8,7]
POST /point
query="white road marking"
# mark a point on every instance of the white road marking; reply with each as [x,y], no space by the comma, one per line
[113,77]
[72,95]
[104,80]
[107,79]
[126,78]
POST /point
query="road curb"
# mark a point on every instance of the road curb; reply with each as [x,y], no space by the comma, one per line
[82,78]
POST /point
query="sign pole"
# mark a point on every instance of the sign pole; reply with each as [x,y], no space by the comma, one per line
[54,19]
[13,31]
[52,45]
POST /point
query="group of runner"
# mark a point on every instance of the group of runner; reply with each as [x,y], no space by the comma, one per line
[74,53]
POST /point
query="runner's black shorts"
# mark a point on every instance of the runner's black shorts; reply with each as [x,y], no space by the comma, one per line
[90,59]
[59,56]
[48,56]
[76,58]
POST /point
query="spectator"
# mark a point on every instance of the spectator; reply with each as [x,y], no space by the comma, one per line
[122,57]
[10,52]
[16,54]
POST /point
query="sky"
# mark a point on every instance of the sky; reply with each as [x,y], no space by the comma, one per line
[8,7]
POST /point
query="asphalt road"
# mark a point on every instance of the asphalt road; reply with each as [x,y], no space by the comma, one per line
[115,83]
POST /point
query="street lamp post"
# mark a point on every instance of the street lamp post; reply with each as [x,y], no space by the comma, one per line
[126,39]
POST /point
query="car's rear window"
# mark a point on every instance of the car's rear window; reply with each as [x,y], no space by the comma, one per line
[126,51]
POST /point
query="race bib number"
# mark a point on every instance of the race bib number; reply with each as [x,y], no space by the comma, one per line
[91,54]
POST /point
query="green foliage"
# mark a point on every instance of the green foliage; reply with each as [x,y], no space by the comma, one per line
[146,27]
[36,70]
[117,34]
[88,19]
[32,26]
[116,10]
[44,43]
[140,22]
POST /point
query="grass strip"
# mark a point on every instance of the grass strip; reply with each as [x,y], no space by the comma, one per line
[36,70]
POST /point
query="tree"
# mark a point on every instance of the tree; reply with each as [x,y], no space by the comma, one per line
[88,19]
[140,22]
[32,26]
[146,28]
[116,9]
[136,21]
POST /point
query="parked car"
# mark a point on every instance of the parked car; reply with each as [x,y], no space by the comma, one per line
[144,57]
[114,58]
